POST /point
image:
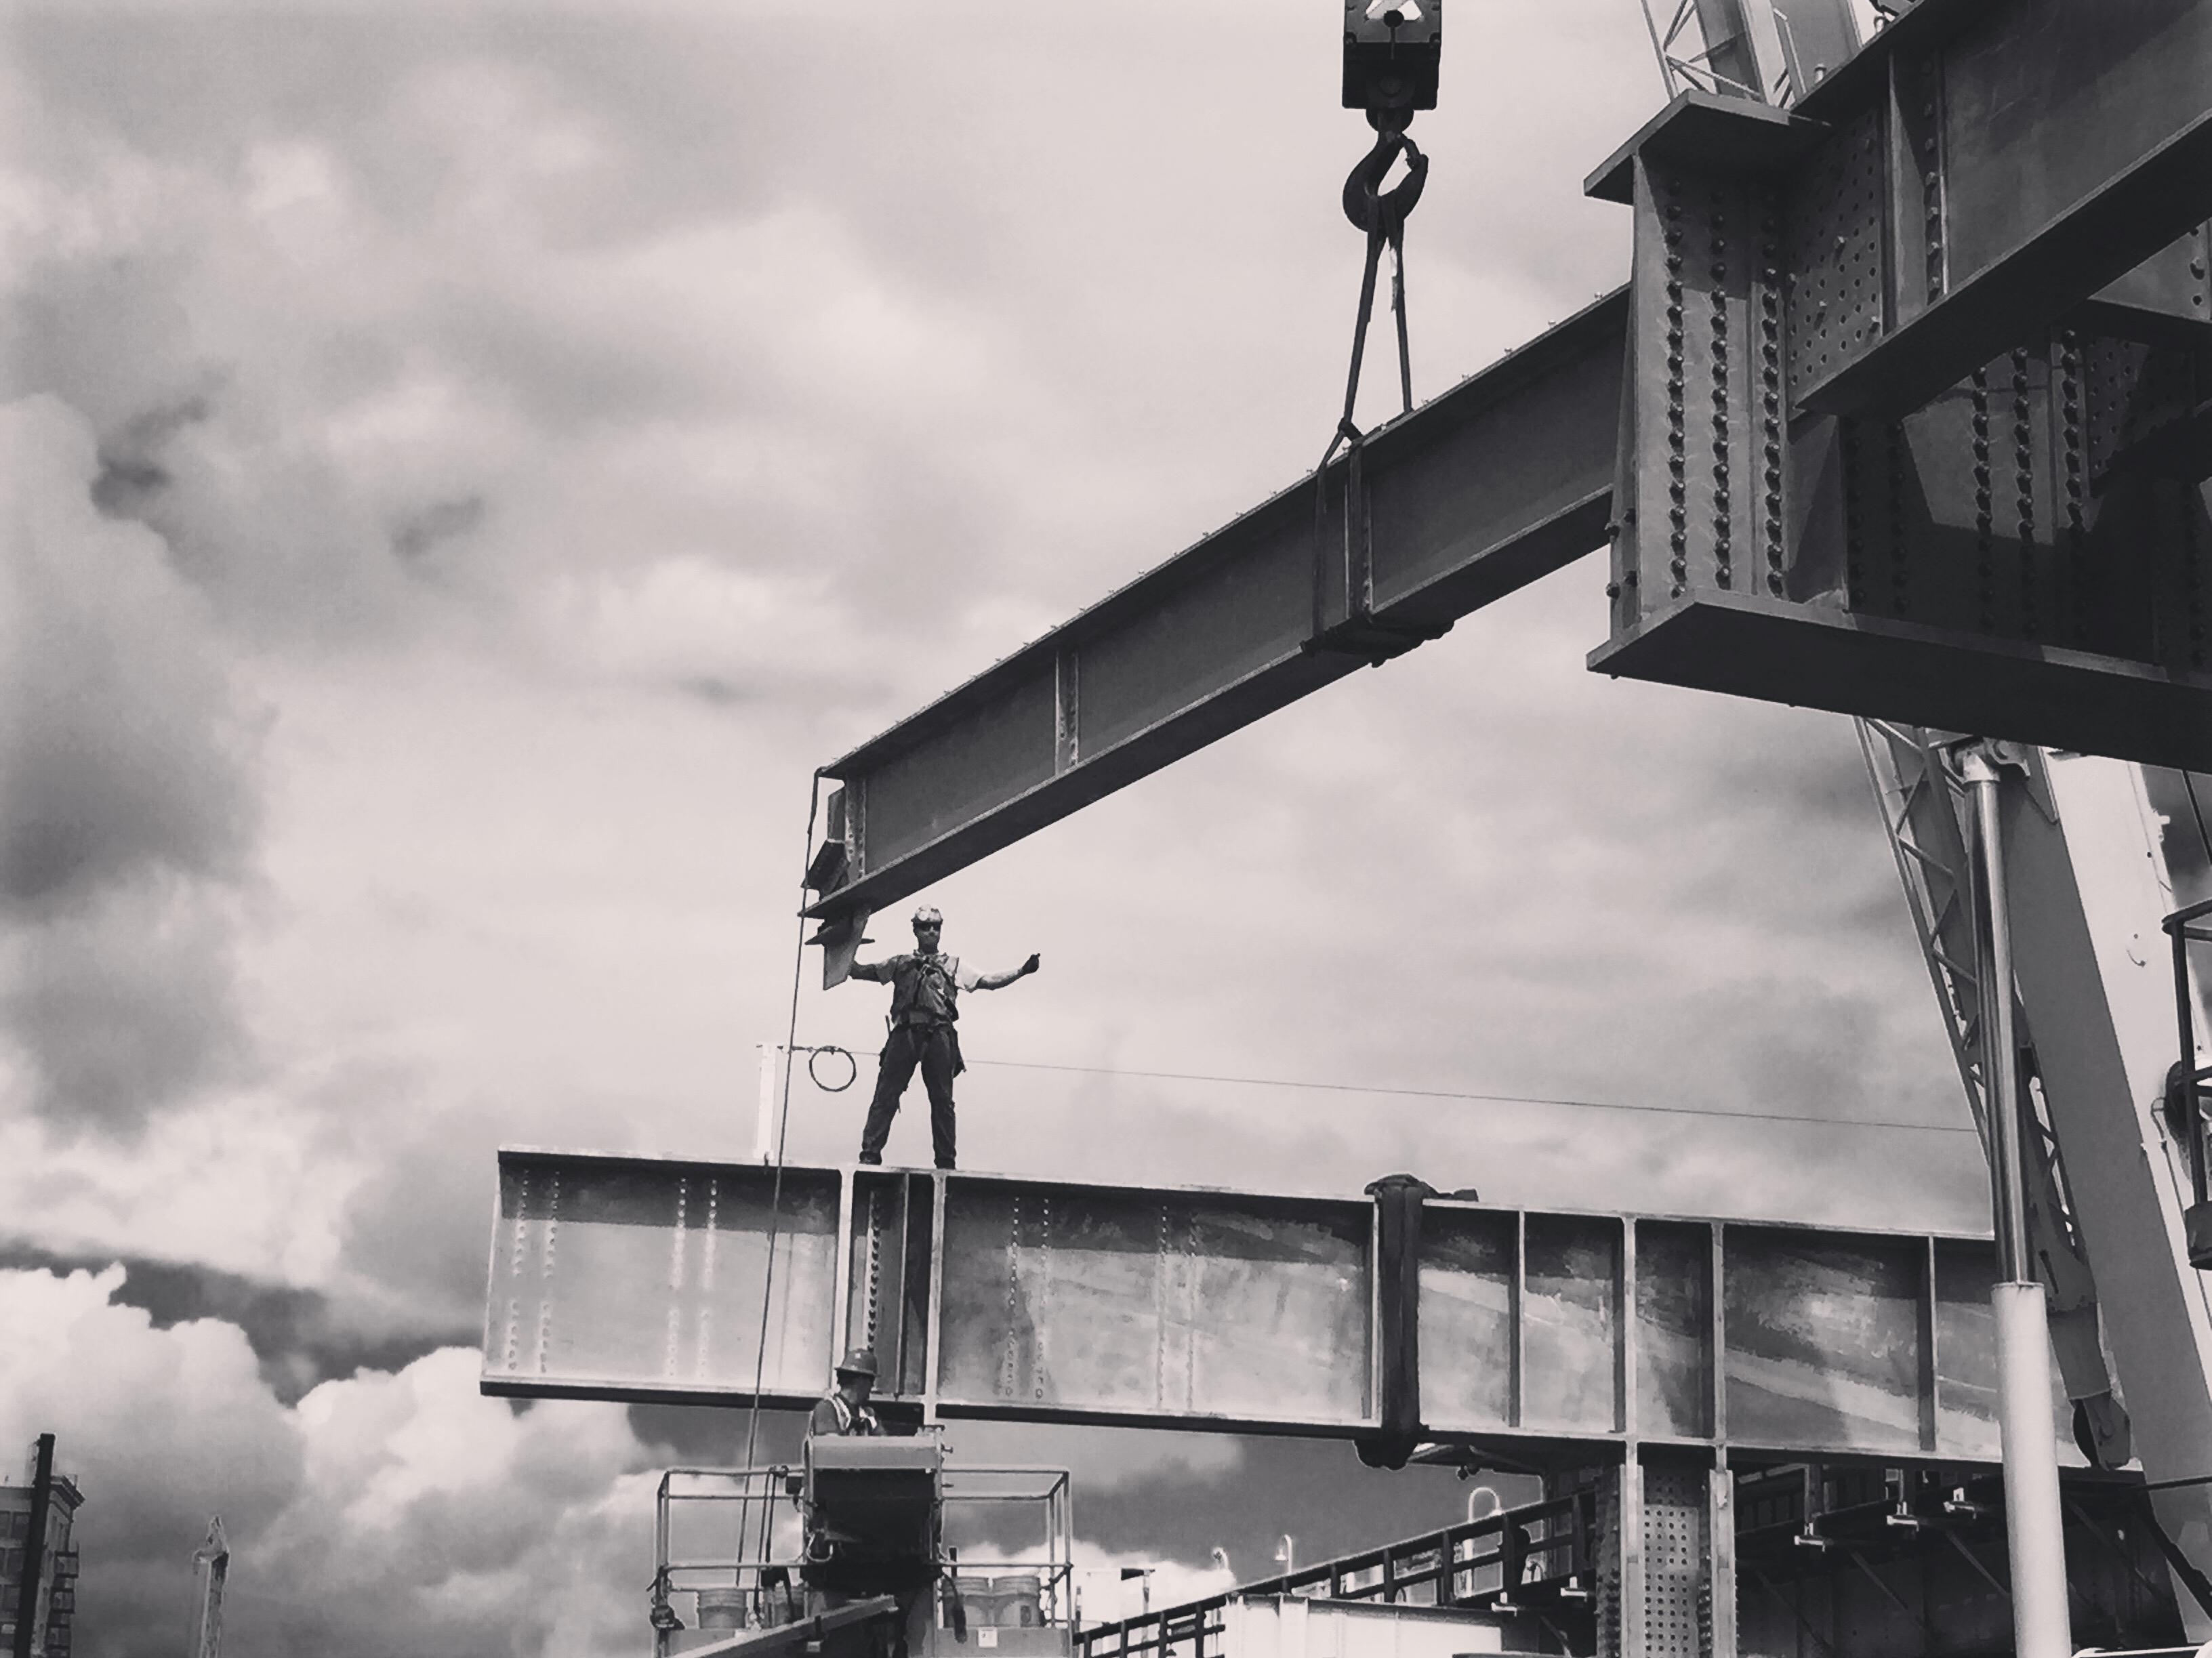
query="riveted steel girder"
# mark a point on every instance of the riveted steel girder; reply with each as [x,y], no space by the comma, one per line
[1973,175]
[1544,1335]
[2026,555]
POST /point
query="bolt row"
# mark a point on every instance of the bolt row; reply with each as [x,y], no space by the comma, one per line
[1984,519]
[1677,515]
[1013,1299]
[1932,191]
[1722,525]
[2023,453]
[1769,389]
[2069,429]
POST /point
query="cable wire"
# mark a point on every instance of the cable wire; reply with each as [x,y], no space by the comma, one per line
[1464,1094]
[775,1190]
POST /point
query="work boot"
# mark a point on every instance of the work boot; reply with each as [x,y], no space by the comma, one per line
[872,1158]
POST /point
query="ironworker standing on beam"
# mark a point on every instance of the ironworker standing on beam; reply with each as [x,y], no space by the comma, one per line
[925,986]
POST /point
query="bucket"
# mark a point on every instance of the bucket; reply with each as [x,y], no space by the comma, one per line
[1020,1600]
[978,1602]
[721,1608]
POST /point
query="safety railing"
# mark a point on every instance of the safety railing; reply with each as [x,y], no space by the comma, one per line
[729,1548]
[1542,1546]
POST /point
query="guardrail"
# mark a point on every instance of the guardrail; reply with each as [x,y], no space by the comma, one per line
[1548,1547]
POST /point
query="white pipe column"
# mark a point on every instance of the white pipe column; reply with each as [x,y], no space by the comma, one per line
[764,1127]
[2035,1531]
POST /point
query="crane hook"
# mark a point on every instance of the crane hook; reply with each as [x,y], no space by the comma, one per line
[1381,213]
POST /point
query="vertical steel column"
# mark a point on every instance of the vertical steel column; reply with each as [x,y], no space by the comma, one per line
[2033,1524]
[765,1124]
[1720,1561]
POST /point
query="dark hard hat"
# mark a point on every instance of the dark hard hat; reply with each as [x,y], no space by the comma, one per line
[859,1361]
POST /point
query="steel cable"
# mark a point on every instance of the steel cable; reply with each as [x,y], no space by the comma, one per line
[775,1190]
[1468,1095]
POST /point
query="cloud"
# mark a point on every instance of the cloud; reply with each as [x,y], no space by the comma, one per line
[160,1428]
[300,1337]
[398,1511]
[126,747]
[573,439]
[129,805]
[383,1511]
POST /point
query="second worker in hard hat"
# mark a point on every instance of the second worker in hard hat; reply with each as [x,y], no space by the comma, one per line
[926,989]
[845,1409]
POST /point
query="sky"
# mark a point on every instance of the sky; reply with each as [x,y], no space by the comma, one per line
[467,465]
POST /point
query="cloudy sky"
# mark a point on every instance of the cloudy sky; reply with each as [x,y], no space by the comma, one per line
[466,466]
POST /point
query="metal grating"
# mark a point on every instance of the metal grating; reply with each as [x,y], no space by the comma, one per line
[1609,1564]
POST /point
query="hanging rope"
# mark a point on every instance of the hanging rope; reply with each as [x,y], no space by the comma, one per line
[775,1189]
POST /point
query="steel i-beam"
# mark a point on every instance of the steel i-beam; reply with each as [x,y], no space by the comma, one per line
[1544,1335]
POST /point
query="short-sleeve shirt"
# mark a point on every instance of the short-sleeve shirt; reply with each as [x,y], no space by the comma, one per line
[925,986]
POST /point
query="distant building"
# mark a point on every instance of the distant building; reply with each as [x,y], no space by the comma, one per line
[56,1610]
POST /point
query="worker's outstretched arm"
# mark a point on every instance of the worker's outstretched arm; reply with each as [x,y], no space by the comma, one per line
[878,971]
[1001,981]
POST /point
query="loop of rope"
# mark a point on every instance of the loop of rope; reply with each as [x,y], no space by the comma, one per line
[852,1068]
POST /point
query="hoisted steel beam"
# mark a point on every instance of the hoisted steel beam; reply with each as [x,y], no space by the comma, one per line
[2020,557]
[1505,478]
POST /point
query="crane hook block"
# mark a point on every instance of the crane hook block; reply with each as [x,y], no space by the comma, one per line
[1391,49]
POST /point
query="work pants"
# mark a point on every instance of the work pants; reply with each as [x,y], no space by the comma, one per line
[937,1051]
